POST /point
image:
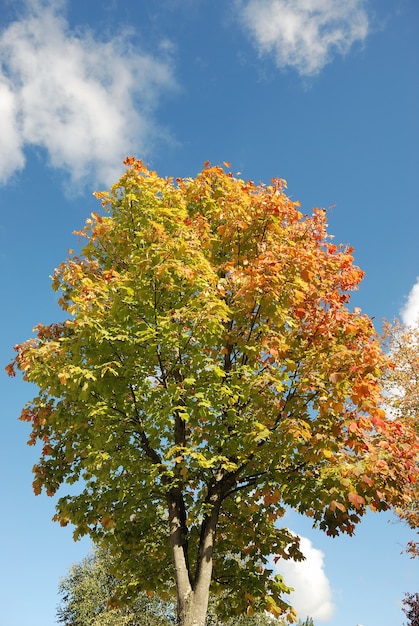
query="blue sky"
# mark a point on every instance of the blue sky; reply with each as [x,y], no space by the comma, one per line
[323,93]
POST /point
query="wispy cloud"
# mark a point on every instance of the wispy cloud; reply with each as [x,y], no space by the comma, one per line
[410,311]
[304,34]
[85,101]
[312,596]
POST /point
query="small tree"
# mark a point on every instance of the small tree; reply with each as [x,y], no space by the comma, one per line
[209,374]
[87,589]
[402,390]
[411,608]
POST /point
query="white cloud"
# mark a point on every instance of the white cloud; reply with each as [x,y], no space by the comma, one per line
[410,311]
[312,596]
[85,101]
[304,34]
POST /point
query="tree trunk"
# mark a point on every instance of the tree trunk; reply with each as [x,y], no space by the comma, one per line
[194,611]
[192,592]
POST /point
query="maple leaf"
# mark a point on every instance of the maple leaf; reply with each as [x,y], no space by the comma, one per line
[355,499]
[10,369]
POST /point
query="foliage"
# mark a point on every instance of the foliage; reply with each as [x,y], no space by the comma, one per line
[209,374]
[402,379]
[85,593]
[402,390]
[411,608]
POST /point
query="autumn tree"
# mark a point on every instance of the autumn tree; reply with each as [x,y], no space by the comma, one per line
[209,374]
[401,383]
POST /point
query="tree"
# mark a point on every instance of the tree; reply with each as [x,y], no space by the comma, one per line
[87,588]
[411,608]
[209,374]
[401,383]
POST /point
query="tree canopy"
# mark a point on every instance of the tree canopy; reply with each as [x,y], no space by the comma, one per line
[208,374]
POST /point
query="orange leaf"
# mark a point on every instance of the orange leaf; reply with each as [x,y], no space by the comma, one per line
[356,500]
[337,505]
[367,480]
[37,487]
[10,369]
